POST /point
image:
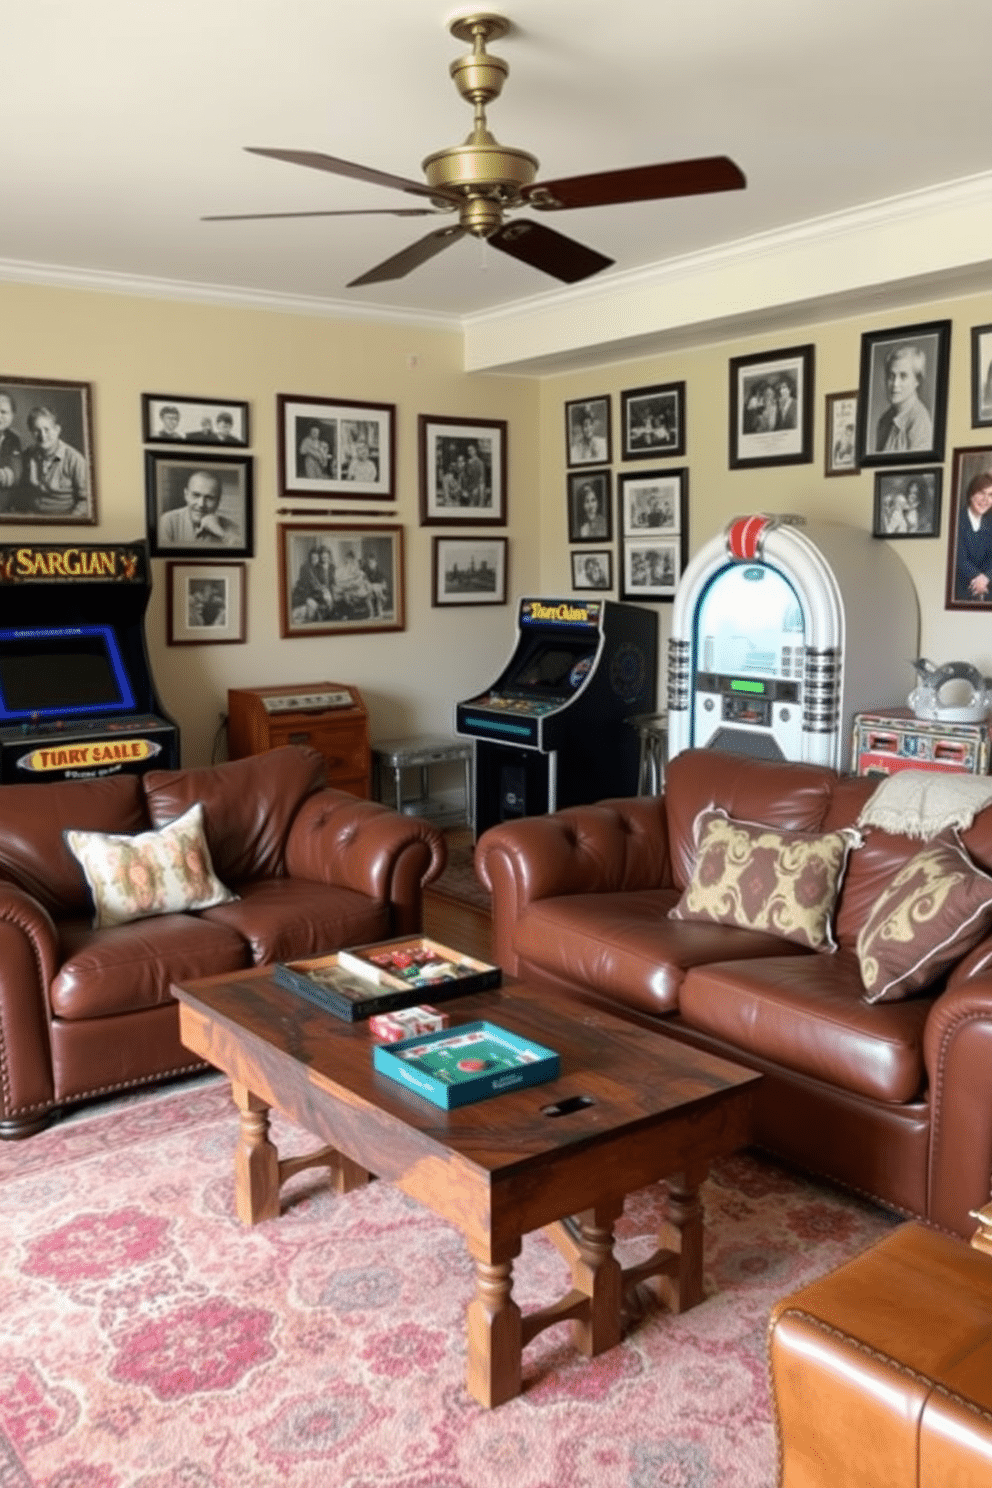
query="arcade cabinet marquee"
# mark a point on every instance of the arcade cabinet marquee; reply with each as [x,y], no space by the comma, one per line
[77,698]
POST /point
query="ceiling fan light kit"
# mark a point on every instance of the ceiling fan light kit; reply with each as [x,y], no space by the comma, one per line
[483,181]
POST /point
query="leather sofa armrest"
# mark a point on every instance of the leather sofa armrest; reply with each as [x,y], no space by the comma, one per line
[338,839]
[609,847]
[957,1049]
[29,958]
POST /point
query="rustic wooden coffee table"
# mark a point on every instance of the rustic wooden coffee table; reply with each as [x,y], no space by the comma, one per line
[501,1167]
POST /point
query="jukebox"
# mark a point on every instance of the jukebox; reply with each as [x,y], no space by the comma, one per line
[781,633]
[77,698]
[551,731]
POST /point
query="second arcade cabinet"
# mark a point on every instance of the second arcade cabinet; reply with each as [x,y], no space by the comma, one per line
[552,730]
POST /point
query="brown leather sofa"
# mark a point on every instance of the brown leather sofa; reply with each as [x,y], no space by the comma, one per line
[893,1099]
[86,1012]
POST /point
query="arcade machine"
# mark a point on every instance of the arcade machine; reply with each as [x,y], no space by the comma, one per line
[782,631]
[77,698]
[551,729]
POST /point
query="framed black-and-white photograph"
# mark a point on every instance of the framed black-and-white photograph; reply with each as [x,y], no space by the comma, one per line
[840,456]
[902,394]
[907,502]
[46,452]
[462,471]
[652,421]
[170,419]
[588,438]
[339,579]
[205,603]
[592,569]
[653,501]
[198,504]
[969,531]
[336,447]
[771,408]
[650,567]
[590,506]
[981,376]
[469,571]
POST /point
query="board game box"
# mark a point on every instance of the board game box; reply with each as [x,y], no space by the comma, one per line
[417,963]
[470,1063]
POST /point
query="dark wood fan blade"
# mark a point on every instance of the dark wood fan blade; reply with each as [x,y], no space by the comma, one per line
[317,161]
[543,248]
[410,258]
[640,183]
[369,212]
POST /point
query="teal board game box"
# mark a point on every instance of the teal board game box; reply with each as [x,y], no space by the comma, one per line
[457,1066]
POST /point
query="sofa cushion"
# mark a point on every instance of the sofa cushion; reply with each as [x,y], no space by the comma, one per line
[33,852]
[625,946]
[149,873]
[248,806]
[281,918]
[936,908]
[130,967]
[807,1014]
[751,876]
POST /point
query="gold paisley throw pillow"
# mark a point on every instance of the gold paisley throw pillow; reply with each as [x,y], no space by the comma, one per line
[151,873]
[760,878]
[937,907]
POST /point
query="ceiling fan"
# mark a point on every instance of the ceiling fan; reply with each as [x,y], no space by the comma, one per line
[484,181]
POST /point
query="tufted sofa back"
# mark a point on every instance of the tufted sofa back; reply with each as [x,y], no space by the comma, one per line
[248,807]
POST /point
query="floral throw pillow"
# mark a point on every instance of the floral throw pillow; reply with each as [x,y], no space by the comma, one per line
[151,873]
[760,878]
[937,907]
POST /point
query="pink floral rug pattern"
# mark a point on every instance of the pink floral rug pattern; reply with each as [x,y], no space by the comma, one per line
[148,1340]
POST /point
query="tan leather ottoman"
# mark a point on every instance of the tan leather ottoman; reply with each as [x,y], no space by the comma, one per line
[882,1370]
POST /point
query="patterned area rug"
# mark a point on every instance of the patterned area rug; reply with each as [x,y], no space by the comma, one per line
[148,1340]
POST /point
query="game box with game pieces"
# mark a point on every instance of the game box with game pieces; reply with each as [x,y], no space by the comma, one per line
[470,1063]
[384,976]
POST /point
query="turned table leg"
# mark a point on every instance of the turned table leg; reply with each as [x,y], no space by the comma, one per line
[685,1215]
[256,1161]
[596,1272]
[494,1335]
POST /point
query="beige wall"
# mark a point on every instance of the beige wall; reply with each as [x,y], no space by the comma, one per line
[127,345]
[717,493]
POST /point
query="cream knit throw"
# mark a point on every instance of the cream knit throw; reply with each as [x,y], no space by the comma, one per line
[922,803]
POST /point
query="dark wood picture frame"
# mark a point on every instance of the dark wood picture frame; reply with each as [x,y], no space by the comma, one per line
[171,418]
[590,505]
[592,569]
[771,408]
[969,552]
[914,426]
[336,447]
[981,376]
[469,570]
[589,431]
[230,531]
[47,467]
[205,603]
[840,434]
[463,464]
[652,422]
[653,523]
[907,502]
[351,597]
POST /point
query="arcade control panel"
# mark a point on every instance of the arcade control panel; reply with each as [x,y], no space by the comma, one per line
[327,716]
[83,749]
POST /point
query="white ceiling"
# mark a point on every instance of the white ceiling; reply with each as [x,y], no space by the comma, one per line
[125,121]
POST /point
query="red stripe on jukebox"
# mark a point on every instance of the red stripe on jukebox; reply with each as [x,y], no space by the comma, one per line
[744,536]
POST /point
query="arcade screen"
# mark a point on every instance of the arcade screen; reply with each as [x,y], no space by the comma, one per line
[551,667]
[61,671]
[748,619]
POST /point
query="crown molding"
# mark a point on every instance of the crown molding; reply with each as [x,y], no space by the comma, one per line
[61,276]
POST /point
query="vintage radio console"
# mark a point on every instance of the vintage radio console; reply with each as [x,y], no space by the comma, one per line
[327,716]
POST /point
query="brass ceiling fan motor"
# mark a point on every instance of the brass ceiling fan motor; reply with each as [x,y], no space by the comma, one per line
[487,177]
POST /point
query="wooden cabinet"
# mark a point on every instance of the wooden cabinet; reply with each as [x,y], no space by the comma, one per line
[327,716]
